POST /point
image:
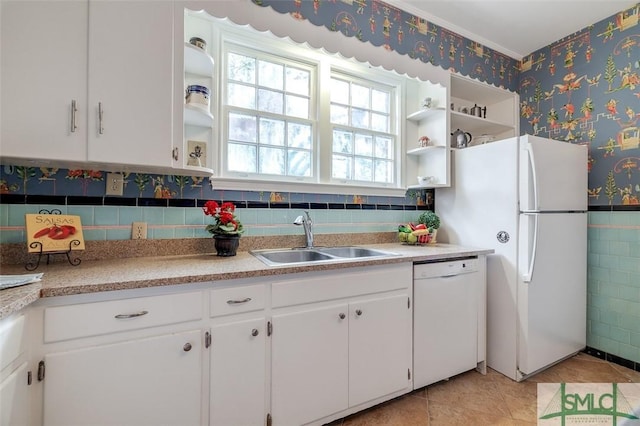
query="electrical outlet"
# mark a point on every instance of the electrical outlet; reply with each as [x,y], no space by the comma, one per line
[115,184]
[139,231]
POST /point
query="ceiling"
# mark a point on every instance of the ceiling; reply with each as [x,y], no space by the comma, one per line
[514,27]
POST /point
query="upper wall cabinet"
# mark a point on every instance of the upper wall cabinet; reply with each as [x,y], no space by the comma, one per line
[44,80]
[89,84]
[486,112]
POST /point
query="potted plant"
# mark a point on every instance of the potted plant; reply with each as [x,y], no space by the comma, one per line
[432,222]
[226,227]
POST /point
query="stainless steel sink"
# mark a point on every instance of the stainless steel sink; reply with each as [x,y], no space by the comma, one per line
[352,252]
[274,257]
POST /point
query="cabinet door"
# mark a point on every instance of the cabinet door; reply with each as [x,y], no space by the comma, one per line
[130,80]
[309,365]
[238,373]
[44,68]
[379,347]
[149,381]
[14,398]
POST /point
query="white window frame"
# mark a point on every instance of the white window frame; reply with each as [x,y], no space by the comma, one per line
[323,65]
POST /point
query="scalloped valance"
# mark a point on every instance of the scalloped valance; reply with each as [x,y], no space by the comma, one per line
[373,32]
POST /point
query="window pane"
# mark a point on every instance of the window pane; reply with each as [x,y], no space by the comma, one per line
[297,107]
[242,127]
[242,158]
[364,145]
[384,148]
[270,75]
[339,91]
[242,96]
[271,161]
[341,167]
[298,81]
[271,132]
[359,96]
[299,163]
[363,169]
[270,101]
[342,142]
[360,118]
[339,114]
[384,171]
[299,136]
[242,68]
[380,101]
[380,123]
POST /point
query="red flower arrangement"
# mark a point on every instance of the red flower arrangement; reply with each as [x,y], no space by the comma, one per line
[225,222]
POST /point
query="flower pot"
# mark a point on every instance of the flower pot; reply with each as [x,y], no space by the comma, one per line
[226,245]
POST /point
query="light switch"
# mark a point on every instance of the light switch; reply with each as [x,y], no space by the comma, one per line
[115,184]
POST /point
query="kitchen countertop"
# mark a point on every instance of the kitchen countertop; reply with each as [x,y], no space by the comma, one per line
[62,279]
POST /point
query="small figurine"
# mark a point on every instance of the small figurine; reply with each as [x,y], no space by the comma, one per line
[426,103]
[423,141]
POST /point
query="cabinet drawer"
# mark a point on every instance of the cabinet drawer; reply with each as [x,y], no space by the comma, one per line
[91,319]
[12,337]
[234,300]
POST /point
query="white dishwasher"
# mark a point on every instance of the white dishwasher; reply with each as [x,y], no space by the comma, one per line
[446,297]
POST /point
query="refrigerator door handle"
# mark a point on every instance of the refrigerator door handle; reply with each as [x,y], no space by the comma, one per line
[534,178]
[532,260]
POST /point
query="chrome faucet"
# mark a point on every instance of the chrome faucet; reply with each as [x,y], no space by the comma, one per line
[307,223]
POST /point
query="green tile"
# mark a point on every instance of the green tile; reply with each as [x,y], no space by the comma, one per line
[118,234]
[635,339]
[4,214]
[105,215]
[85,213]
[619,277]
[630,352]
[609,345]
[608,261]
[599,218]
[631,294]
[161,233]
[599,246]
[630,235]
[609,317]
[624,306]
[195,216]
[609,234]
[94,234]
[608,290]
[619,248]
[629,264]
[634,250]
[600,302]
[184,232]
[153,215]
[593,340]
[128,215]
[620,335]
[593,313]
[16,214]
[630,322]
[174,216]
[622,218]
[601,274]
[600,329]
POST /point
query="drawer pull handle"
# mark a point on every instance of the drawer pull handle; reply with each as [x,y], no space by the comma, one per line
[342,316]
[237,302]
[137,314]
[187,347]
[255,332]
[358,312]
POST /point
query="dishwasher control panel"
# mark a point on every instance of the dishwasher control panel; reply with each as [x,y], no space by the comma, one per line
[445,268]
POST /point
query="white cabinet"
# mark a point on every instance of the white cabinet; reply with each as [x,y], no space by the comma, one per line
[136,361]
[130,82]
[310,364]
[14,385]
[88,81]
[44,70]
[330,359]
[499,120]
[149,381]
[429,159]
[238,379]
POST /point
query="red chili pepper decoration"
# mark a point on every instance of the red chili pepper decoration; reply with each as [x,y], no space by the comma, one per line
[41,233]
[62,232]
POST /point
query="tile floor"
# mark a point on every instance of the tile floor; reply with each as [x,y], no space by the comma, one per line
[473,399]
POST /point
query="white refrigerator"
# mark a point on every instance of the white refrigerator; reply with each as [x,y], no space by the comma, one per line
[526,198]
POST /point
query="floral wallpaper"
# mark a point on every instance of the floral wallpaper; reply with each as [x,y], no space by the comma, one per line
[393,29]
[585,89]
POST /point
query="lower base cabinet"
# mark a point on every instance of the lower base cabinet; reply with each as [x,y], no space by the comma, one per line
[238,373]
[150,381]
[14,398]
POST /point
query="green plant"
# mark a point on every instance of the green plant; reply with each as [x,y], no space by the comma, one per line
[429,219]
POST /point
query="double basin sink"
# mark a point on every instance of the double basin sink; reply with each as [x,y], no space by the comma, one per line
[297,256]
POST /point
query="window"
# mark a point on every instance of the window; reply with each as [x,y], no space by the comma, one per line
[293,114]
[363,146]
[269,105]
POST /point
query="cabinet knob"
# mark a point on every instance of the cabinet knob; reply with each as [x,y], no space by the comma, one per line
[187,347]
[342,315]
[255,332]
[358,312]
